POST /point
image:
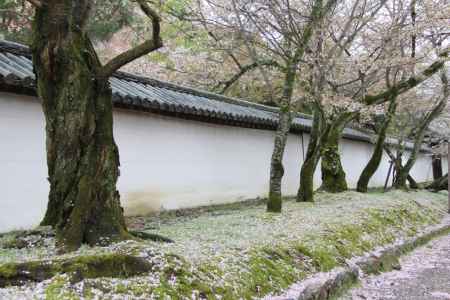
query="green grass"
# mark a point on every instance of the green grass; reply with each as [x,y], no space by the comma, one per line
[245,253]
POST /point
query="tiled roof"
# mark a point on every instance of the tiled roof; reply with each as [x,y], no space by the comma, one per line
[146,94]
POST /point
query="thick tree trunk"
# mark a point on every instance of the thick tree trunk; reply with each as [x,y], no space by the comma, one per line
[284,124]
[377,155]
[333,175]
[82,156]
[306,189]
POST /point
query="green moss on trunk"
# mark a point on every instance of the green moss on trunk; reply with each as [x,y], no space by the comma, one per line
[377,155]
[274,203]
[82,157]
[333,175]
[284,124]
[401,179]
[306,189]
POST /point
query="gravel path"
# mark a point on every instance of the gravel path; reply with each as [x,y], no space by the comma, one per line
[425,275]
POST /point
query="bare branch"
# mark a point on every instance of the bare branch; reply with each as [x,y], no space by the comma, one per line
[317,14]
[425,122]
[140,50]
[243,70]
[251,50]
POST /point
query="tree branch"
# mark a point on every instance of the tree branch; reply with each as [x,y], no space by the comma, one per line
[425,122]
[250,49]
[408,84]
[243,70]
[146,47]
[317,15]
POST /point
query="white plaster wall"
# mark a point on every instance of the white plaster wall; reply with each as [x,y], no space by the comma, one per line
[355,156]
[166,163]
[423,168]
[23,170]
[173,163]
[444,165]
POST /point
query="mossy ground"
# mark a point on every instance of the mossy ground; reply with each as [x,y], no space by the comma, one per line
[232,253]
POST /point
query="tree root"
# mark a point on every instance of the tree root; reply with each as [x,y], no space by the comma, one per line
[151,236]
[79,268]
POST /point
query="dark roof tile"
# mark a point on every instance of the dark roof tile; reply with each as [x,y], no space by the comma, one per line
[141,93]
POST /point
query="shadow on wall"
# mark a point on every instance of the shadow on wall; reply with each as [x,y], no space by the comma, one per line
[153,200]
[142,203]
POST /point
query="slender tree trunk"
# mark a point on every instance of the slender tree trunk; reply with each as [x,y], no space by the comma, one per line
[285,118]
[82,157]
[319,11]
[397,160]
[306,189]
[377,155]
[403,173]
[333,175]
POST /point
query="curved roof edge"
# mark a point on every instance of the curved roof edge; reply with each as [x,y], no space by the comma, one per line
[151,95]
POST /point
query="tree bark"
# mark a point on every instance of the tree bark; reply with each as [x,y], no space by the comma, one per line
[319,127]
[319,11]
[274,202]
[377,155]
[306,189]
[82,157]
[333,175]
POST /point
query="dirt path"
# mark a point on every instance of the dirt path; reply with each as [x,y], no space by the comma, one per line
[425,275]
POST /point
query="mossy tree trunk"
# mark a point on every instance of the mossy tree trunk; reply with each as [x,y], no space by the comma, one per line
[319,128]
[403,170]
[318,133]
[274,203]
[319,10]
[377,155]
[333,175]
[82,157]
[306,189]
